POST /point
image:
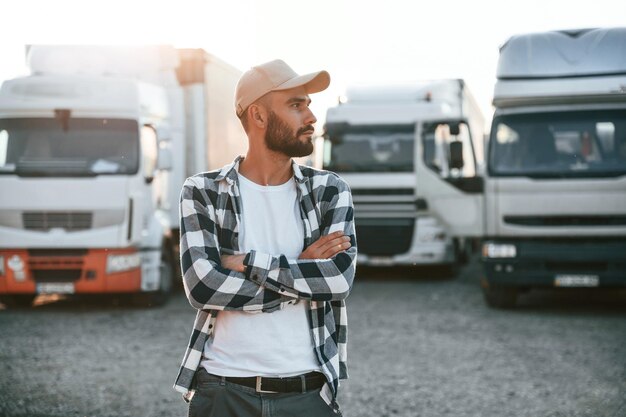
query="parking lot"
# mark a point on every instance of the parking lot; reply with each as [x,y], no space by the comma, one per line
[419,345]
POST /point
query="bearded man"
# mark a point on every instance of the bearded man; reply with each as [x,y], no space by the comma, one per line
[268,255]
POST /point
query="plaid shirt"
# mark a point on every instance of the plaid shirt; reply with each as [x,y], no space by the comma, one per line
[210,212]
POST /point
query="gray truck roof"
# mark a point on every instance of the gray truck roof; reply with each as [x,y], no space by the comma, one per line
[566,53]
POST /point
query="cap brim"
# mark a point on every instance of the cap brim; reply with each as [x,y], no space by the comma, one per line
[313,82]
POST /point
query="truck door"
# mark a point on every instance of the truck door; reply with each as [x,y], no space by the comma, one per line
[448,176]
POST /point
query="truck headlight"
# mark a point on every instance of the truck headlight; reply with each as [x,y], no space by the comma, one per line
[499,250]
[432,237]
[1,265]
[119,263]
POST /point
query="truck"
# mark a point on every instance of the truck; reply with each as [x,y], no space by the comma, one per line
[95,145]
[390,143]
[555,182]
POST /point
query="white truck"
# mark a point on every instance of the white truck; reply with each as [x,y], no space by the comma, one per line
[555,185]
[94,147]
[390,143]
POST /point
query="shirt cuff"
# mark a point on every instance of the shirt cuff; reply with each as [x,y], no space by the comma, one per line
[257,266]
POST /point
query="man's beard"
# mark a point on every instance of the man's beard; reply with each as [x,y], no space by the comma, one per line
[279,137]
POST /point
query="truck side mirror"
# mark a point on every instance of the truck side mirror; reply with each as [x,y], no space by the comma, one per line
[164,159]
[456,155]
[455,128]
[332,130]
[149,152]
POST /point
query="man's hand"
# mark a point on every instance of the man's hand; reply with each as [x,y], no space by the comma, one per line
[327,246]
[233,262]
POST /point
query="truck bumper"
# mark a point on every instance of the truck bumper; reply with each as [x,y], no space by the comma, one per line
[559,263]
[79,271]
[440,253]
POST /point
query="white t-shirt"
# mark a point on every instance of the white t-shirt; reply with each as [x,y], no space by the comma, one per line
[265,344]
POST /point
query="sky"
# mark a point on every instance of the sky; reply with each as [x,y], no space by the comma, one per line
[357,41]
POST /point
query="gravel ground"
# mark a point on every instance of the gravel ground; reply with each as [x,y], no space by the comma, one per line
[419,346]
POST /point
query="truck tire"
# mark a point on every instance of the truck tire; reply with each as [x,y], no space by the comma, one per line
[462,251]
[18,300]
[500,297]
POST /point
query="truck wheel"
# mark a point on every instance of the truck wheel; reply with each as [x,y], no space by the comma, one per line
[500,297]
[462,252]
[21,300]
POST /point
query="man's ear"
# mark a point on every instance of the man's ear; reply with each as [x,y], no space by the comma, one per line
[257,115]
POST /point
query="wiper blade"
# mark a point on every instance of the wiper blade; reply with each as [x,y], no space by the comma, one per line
[42,173]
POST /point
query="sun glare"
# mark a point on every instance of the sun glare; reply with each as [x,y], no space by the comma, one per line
[356,41]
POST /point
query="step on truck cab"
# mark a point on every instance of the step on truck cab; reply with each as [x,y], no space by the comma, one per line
[390,143]
[94,148]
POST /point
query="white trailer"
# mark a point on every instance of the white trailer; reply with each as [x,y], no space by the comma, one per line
[386,141]
[94,148]
[555,194]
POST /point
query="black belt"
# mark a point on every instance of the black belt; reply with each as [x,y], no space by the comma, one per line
[300,383]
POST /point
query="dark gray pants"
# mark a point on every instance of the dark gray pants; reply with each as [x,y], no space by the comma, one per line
[215,397]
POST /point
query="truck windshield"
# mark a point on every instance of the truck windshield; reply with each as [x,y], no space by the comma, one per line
[378,148]
[559,144]
[73,147]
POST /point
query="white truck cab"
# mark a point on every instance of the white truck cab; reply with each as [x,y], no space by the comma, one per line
[390,143]
[555,184]
[79,176]
[94,148]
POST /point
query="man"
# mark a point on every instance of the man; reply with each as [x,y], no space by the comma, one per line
[268,255]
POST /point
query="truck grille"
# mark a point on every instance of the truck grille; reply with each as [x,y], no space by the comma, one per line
[44,221]
[576,267]
[72,253]
[382,191]
[564,221]
[56,275]
[56,265]
[384,237]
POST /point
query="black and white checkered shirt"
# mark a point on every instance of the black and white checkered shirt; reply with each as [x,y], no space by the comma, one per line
[210,213]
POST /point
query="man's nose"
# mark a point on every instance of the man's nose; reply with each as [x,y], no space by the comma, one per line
[310,118]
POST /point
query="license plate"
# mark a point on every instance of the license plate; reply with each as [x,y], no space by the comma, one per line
[576,281]
[55,288]
[380,260]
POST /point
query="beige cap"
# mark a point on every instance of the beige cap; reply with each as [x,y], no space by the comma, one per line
[274,76]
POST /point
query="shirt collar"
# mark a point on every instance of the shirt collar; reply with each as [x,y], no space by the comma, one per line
[230,172]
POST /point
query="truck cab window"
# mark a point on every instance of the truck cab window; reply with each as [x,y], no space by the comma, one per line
[558,144]
[377,148]
[85,147]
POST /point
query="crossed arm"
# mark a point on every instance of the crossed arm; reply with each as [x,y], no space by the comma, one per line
[325,247]
[258,282]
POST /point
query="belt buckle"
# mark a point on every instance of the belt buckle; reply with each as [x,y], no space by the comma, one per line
[258,387]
